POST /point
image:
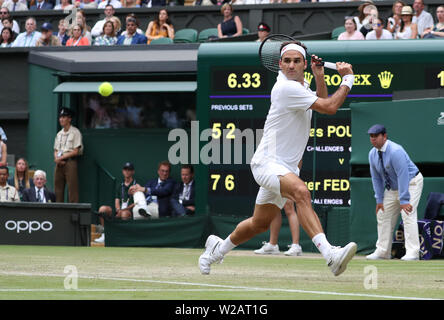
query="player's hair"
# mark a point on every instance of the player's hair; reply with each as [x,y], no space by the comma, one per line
[295,42]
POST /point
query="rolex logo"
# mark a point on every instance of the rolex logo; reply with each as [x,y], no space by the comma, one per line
[385,78]
[308,77]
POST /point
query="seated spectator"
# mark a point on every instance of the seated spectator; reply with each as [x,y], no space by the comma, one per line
[62,34]
[131,15]
[263,31]
[422,18]
[109,35]
[7,37]
[115,3]
[64,5]
[21,179]
[47,39]
[39,192]
[3,149]
[363,16]
[370,13]
[351,32]
[76,37]
[41,5]
[161,27]
[81,19]
[394,22]
[7,193]
[438,29]
[8,23]
[158,191]
[117,26]
[182,200]
[15,5]
[4,13]
[130,4]
[156,3]
[85,4]
[123,200]
[131,37]
[97,30]
[379,33]
[408,30]
[29,37]
[230,26]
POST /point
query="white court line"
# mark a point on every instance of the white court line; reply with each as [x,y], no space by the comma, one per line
[239,288]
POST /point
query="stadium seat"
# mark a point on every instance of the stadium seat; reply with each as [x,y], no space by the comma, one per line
[206,33]
[336,32]
[185,36]
[162,41]
[245,31]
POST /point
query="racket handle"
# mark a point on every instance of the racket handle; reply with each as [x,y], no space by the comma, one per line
[330,65]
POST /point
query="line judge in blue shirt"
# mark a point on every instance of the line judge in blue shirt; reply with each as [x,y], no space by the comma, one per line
[397,183]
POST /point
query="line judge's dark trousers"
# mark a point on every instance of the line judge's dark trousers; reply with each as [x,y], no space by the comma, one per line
[67,175]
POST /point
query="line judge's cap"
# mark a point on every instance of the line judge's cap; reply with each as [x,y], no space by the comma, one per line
[128,165]
[65,112]
[376,129]
[263,27]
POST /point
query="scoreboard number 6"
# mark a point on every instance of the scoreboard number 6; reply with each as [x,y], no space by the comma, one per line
[229,181]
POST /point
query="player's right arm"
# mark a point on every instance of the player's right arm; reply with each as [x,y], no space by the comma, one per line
[331,104]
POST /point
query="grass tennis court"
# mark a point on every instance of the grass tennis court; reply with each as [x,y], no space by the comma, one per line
[37,272]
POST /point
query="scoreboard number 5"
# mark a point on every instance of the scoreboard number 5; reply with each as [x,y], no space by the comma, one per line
[217,131]
[229,181]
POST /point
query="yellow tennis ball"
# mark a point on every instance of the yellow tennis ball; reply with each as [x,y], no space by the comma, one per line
[106,89]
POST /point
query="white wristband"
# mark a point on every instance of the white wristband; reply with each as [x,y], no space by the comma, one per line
[348,80]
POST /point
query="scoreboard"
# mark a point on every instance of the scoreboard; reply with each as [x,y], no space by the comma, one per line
[233,99]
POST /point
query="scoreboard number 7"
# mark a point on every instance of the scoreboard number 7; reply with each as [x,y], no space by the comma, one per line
[229,182]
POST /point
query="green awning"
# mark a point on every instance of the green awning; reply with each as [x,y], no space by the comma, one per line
[158,86]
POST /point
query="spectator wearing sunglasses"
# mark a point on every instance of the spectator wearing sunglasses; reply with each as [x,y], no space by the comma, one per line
[4,13]
[379,33]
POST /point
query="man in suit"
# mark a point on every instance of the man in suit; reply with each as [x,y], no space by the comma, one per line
[39,193]
[41,5]
[132,37]
[158,191]
[182,201]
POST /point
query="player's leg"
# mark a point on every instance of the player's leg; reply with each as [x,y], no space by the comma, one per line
[272,247]
[294,249]
[216,248]
[293,188]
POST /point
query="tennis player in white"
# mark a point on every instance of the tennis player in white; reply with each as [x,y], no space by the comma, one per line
[275,162]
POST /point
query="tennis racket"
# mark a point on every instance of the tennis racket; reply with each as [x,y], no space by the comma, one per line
[270,52]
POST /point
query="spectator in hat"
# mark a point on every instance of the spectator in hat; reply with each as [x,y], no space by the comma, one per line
[123,199]
[408,29]
[397,184]
[68,147]
[29,37]
[263,31]
[39,192]
[47,39]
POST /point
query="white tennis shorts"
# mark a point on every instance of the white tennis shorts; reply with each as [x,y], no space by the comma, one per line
[267,176]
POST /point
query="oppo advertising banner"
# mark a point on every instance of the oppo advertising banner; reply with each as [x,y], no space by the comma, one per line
[45,224]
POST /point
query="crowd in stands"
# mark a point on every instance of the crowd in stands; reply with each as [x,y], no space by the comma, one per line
[404,23]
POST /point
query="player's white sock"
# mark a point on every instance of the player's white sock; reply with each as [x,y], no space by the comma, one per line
[322,244]
[226,246]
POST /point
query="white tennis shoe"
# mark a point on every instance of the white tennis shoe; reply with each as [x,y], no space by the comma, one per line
[268,248]
[294,250]
[340,257]
[211,254]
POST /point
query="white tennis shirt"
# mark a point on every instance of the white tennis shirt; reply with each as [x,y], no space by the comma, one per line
[288,123]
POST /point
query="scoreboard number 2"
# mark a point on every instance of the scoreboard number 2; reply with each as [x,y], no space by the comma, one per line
[229,182]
